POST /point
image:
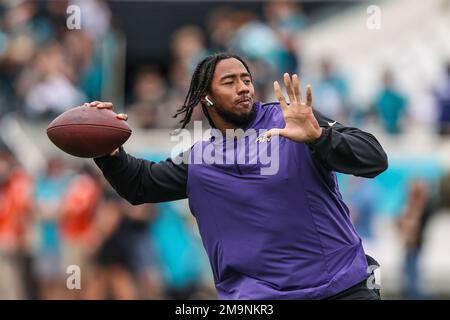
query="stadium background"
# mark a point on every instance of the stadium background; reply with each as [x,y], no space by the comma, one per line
[392,79]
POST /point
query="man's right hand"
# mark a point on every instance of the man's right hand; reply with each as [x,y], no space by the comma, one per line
[107,105]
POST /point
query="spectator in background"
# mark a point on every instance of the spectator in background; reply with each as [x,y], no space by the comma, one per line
[111,259]
[28,26]
[48,85]
[285,15]
[17,56]
[411,225]
[331,93]
[96,18]
[286,18]
[144,262]
[442,93]
[188,48]
[17,47]
[125,264]
[77,229]
[362,195]
[390,105]
[50,187]
[220,26]
[261,71]
[87,48]
[45,79]
[16,205]
[179,83]
[81,53]
[179,253]
[56,12]
[255,40]
[149,95]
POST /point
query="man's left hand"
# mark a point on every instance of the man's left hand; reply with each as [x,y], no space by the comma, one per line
[301,125]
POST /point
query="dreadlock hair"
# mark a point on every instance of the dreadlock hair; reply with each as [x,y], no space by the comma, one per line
[201,84]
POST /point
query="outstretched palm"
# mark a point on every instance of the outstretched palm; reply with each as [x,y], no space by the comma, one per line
[301,125]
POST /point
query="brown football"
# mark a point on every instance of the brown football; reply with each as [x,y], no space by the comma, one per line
[88,132]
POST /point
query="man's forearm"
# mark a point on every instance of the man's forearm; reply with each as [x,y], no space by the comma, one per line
[141,181]
[348,150]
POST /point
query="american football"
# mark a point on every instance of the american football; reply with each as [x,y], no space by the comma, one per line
[88,132]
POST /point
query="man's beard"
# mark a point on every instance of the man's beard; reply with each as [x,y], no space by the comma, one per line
[240,121]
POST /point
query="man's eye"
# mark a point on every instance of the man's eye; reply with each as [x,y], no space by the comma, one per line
[247,81]
[229,82]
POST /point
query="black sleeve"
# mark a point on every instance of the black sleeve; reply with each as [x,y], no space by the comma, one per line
[141,181]
[348,150]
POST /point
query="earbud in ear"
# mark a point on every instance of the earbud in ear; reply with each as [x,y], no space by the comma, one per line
[210,103]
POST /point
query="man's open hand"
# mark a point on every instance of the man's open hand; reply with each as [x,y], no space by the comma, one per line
[106,105]
[301,125]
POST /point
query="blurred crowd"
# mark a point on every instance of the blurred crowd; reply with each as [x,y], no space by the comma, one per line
[46,68]
[68,215]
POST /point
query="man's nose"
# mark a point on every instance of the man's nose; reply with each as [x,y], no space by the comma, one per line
[243,88]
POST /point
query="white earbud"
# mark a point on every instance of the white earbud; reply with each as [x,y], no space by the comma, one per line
[210,103]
